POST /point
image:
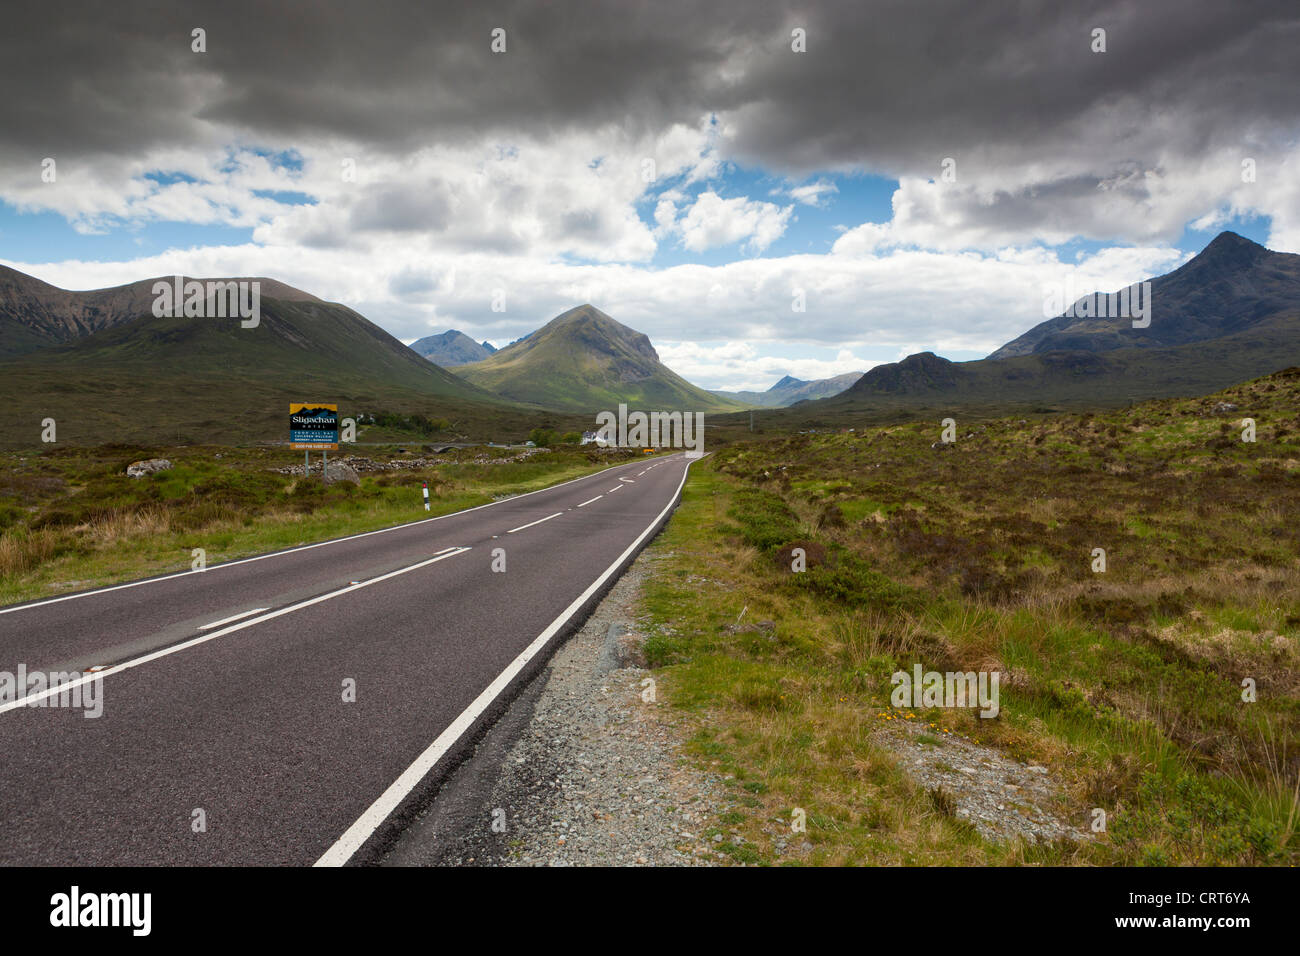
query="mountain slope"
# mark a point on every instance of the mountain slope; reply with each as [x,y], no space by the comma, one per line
[1077,379]
[583,360]
[212,380]
[35,314]
[1231,285]
[452,347]
[790,390]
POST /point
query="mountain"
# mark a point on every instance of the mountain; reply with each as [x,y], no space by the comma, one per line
[35,314]
[452,348]
[1076,379]
[585,361]
[117,378]
[790,390]
[1228,315]
[1232,285]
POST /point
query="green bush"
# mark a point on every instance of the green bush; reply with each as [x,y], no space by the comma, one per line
[849,580]
[766,522]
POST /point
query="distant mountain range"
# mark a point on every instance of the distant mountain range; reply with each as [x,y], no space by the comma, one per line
[583,360]
[790,390]
[1229,314]
[452,347]
[107,370]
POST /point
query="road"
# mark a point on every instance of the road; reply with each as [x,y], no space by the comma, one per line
[225,736]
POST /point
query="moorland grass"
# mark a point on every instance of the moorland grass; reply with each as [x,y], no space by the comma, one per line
[70,518]
[1127,683]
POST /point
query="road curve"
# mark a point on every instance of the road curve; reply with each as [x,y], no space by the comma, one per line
[225,736]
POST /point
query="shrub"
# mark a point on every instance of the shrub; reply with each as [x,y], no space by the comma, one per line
[766,522]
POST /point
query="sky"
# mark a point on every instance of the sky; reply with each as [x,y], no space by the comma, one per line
[763,188]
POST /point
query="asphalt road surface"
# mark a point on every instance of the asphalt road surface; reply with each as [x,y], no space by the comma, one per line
[225,736]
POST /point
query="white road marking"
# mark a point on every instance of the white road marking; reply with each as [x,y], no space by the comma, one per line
[388,801]
[196,641]
[305,547]
[585,503]
[233,617]
[531,523]
[630,481]
[614,489]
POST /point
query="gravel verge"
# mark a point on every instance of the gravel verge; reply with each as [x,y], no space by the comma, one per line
[586,769]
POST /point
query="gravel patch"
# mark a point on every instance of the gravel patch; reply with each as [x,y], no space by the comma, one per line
[1002,798]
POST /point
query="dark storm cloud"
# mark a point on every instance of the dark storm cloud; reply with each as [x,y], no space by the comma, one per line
[426,207]
[908,83]
[115,78]
[890,86]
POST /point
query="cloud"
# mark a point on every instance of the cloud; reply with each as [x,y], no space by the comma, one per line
[813,194]
[557,170]
[713,221]
[739,366]
[1039,124]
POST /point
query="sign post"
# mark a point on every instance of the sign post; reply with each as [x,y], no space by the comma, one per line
[314,425]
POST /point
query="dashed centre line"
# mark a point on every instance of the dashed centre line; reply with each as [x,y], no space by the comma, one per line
[531,523]
[245,622]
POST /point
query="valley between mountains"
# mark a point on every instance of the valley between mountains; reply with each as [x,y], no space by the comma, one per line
[1100,512]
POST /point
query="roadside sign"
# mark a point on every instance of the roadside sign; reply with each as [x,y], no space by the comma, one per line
[313,426]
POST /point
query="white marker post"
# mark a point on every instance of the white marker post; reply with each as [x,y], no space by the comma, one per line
[426,496]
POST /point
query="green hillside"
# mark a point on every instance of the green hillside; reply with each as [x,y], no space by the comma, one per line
[583,360]
[209,380]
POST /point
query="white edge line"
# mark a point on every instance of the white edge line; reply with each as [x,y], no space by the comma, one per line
[378,812]
[233,617]
[305,547]
[585,503]
[531,523]
[203,639]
